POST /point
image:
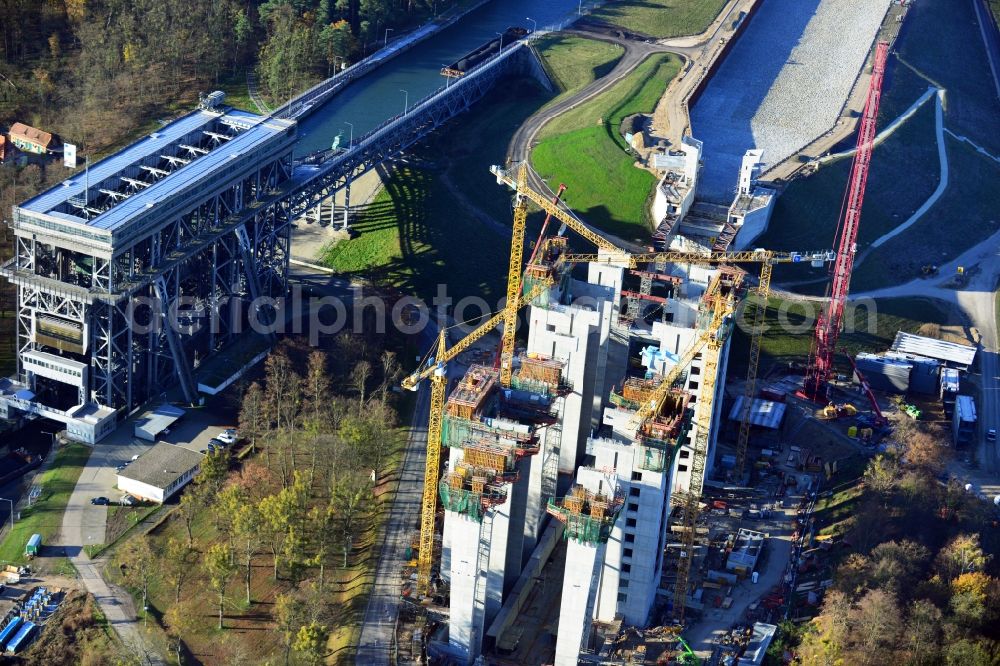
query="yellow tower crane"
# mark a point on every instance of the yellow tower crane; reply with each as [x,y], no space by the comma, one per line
[435,369]
[610,253]
[712,336]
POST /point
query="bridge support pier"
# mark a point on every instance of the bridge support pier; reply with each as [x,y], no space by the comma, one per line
[347,201]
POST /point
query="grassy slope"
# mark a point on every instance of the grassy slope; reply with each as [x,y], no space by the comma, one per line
[573,62]
[805,215]
[936,35]
[789,327]
[968,212]
[661,18]
[46,515]
[444,242]
[583,149]
[346,588]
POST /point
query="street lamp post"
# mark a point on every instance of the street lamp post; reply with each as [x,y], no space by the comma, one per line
[386,40]
[534,23]
[406,101]
[351,142]
[11,502]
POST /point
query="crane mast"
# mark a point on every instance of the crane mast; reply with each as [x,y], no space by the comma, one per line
[828,324]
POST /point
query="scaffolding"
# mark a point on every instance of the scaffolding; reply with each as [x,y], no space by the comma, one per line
[588,516]
[547,267]
[472,491]
[474,393]
[659,444]
[539,375]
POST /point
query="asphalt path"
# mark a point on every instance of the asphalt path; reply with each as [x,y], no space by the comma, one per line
[524,140]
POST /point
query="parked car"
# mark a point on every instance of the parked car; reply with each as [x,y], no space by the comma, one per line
[127,500]
[217,443]
[134,458]
[121,467]
[101,501]
[228,436]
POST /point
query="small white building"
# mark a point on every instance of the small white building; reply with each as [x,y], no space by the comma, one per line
[159,473]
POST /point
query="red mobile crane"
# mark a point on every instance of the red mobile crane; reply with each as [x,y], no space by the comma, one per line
[828,324]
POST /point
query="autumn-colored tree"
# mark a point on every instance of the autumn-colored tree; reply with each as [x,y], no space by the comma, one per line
[923,632]
[321,521]
[219,568]
[310,642]
[350,499]
[182,619]
[177,566]
[247,535]
[875,626]
[962,554]
[194,499]
[253,417]
[139,565]
[359,378]
[289,612]
[882,474]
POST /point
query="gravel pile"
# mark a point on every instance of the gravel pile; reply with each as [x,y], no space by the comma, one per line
[782,85]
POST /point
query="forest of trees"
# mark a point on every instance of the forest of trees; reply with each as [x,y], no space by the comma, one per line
[99,72]
[301,506]
[95,70]
[919,584]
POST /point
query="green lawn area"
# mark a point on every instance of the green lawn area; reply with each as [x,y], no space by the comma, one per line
[834,513]
[636,93]
[967,213]
[46,515]
[583,149]
[573,62]
[789,326]
[660,18]
[237,95]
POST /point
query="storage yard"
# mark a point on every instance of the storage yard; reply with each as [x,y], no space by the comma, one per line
[782,85]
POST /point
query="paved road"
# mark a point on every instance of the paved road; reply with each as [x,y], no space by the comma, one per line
[404,518]
[524,140]
[83,524]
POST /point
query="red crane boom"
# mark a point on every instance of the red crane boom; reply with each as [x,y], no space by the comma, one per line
[828,324]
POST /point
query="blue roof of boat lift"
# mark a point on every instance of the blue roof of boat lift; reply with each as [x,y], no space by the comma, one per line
[260,131]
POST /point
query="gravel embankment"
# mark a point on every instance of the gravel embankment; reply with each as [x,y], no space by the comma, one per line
[782,85]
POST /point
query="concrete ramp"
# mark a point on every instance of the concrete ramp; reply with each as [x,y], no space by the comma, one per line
[782,85]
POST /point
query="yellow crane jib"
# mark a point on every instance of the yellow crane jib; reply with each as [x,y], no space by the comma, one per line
[521,187]
[651,406]
[436,370]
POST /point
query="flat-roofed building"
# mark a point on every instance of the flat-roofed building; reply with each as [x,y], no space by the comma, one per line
[160,472]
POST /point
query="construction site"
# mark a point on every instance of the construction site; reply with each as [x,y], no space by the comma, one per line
[611,493]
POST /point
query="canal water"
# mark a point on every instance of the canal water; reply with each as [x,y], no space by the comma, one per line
[380,94]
